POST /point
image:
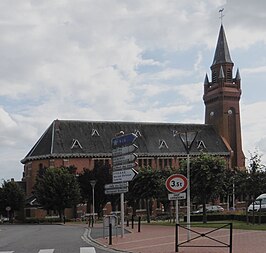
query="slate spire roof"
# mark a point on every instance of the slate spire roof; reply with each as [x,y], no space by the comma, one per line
[222,54]
[57,141]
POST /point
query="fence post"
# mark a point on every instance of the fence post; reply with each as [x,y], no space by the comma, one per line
[132,220]
[139,224]
[110,233]
[176,237]
[231,238]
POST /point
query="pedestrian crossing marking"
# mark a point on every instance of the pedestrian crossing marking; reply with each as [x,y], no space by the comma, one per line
[87,250]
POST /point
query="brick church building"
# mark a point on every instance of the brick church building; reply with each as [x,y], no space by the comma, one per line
[85,143]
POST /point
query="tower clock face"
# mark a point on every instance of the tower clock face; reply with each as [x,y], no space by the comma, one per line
[211,113]
[230,112]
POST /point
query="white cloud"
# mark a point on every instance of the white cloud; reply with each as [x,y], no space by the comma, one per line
[255,70]
[88,60]
[191,92]
[254,121]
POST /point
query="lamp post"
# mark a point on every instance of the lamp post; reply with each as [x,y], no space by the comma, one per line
[187,139]
[93,183]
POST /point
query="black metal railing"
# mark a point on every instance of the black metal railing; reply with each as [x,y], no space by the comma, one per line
[198,235]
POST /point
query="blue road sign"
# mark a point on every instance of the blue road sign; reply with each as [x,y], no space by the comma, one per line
[123,140]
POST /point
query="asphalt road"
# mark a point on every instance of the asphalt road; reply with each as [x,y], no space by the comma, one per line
[33,238]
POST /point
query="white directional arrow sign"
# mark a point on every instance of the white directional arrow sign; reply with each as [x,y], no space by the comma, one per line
[130,158]
[124,175]
[118,185]
[116,190]
[125,166]
[124,150]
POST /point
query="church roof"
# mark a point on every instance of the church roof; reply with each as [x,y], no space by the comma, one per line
[70,138]
[222,54]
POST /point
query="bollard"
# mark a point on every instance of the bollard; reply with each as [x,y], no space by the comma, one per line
[176,237]
[110,234]
[139,224]
[127,222]
[132,220]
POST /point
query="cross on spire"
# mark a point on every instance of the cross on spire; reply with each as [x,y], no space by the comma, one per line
[221,15]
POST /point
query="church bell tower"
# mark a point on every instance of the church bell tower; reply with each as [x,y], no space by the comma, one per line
[221,97]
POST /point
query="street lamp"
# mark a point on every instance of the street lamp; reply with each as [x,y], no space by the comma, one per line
[93,183]
[187,139]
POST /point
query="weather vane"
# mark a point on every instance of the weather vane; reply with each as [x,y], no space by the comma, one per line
[221,17]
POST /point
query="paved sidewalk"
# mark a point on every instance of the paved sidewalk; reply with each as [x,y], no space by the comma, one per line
[161,239]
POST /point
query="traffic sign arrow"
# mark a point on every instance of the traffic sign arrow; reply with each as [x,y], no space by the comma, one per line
[118,185]
[116,190]
[124,150]
[124,175]
[125,166]
[129,158]
[123,140]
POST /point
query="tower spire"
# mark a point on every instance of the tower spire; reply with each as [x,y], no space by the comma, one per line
[221,97]
[222,54]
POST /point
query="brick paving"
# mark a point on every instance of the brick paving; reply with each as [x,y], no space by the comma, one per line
[161,239]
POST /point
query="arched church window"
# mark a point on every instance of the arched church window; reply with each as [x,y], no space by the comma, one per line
[214,76]
[229,75]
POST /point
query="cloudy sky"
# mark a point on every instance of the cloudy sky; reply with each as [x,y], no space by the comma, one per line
[128,60]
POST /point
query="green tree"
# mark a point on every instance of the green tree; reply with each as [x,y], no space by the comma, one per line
[102,176]
[251,182]
[57,189]
[13,196]
[147,185]
[207,177]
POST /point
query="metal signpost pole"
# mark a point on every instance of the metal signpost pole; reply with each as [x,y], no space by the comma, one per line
[176,183]
[123,161]
[188,197]
[187,139]
[122,215]
[93,183]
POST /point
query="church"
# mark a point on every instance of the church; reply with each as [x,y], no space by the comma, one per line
[84,144]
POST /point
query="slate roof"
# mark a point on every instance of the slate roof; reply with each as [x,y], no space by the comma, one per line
[58,139]
[222,54]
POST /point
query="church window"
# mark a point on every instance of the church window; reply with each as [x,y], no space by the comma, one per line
[94,132]
[145,162]
[201,145]
[214,77]
[170,162]
[229,75]
[162,144]
[160,163]
[75,144]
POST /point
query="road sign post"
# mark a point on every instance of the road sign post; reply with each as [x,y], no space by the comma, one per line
[123,161]
[176,184]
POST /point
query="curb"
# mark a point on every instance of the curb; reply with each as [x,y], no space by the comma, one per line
[87,237]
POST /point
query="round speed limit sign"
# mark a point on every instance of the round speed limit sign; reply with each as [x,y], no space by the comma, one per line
[176,183]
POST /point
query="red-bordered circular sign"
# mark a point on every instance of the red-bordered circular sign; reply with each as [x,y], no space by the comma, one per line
[176,183]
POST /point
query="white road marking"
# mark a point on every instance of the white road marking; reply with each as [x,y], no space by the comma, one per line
[46,251]
[87,250]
